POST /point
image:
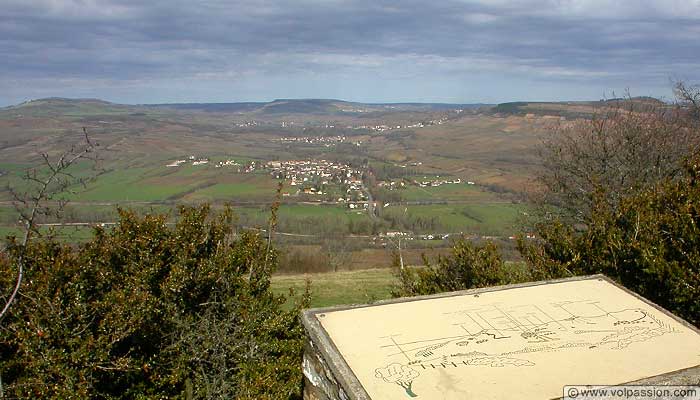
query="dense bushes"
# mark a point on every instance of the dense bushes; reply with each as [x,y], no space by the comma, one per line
[650,243]
[467,266]
[150,311]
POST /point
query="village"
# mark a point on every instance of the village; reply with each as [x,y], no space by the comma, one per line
[380,127]
[384,127]
[317,177]
[326,180]
[439,182]
[192,159]
[327,141]
[425,182]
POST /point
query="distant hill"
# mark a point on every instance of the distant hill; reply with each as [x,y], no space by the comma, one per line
[305,106]
[313,106]
[575,109]
[58,106]
[55,106]
[210,107]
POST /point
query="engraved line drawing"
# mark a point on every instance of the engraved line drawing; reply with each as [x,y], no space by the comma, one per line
[482,334]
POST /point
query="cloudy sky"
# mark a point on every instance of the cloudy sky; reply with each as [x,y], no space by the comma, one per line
[463,51]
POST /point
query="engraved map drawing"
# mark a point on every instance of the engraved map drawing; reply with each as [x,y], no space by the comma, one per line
[496,337]
[522,330]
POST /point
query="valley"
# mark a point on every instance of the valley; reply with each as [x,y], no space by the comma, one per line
[357,180]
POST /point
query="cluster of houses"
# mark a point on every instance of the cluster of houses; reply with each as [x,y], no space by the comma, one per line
[323,140]
[203,161]
[391,185]
[227,163]
[413,164]
[439,182]
[400,184]
[373,128]
[192,159]
[383,128]
[445,236]
[327,141]
[312,176]
[411,236]
[313,139]
[247,124]
[358,205]
[399,235]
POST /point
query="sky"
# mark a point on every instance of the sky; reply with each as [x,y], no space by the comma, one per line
[454,51]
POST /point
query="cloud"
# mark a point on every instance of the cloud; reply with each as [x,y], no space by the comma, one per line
[205,42]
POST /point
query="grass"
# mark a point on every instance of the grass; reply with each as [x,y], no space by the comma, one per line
[335,288]
[129,184]
[234,191]
[13,167]
[307,210]
[297,216]
[483,218]
[346,287]
[8,215]
[445,192]
[8,231]
[185,170]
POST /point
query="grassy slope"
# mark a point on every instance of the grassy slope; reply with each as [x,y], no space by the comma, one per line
[482,218]
[347,287]
[452,192]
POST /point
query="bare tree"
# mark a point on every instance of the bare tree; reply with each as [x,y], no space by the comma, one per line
[688,99]
[624,149]
[338,249]
[45,194]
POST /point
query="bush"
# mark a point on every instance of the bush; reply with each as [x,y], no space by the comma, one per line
[650,243]
[467,266]
[146,311]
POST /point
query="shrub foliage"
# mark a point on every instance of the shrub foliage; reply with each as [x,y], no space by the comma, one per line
[148,310]
[467,266]
[650,243]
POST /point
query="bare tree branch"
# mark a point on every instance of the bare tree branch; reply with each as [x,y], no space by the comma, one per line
[628,147]
[31,205]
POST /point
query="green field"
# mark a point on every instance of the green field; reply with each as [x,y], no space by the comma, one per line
[496,219]
[262,188]
[8,231]
[129,184]
[329,289]
[346,287]
[8,215]
[308,210]
[459,192]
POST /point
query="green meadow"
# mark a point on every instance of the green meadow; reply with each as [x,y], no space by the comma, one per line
[447,192]
[495,219]
[334,288]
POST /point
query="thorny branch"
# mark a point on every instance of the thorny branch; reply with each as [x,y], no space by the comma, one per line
[56,179]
